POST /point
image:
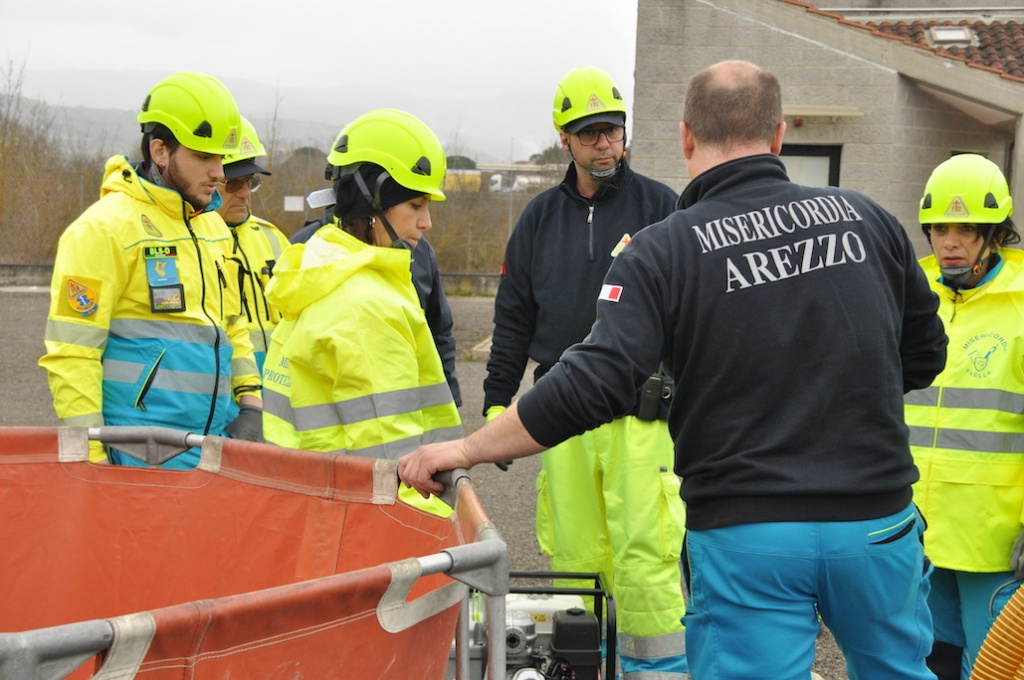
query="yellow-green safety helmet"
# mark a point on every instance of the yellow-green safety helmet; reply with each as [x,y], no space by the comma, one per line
[584,96]
[243,162]
[197,109]
[397,141]
[966,189]
[249,144]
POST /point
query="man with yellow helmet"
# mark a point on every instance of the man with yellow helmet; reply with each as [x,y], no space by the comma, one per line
[608,500]
[967,428]
[144,325]
[257,242]
[352,367]
[256,248]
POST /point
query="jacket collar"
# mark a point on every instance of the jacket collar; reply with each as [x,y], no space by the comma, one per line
[728,176]
[125,177]
[608,190]
[1007,277]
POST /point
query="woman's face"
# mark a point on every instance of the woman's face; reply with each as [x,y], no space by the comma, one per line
[960,245]
[409,220]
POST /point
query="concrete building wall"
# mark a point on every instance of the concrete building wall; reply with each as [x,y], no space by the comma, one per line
[888,150]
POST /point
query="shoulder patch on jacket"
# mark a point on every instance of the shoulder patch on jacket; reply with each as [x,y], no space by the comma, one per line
[610,293]
[623,242]
[150,228]
[81,296]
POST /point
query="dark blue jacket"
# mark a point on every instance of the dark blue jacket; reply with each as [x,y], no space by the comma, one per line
[793,319]
[555,262]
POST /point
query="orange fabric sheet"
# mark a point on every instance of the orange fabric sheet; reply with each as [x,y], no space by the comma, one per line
[269,568]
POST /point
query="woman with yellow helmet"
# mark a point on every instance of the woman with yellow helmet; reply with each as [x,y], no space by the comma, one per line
[967,428]
[352,367]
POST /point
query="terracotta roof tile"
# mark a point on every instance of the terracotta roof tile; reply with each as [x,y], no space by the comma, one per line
[999,48]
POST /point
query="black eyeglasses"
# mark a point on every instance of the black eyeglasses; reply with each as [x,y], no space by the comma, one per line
[589,137]
[254,182]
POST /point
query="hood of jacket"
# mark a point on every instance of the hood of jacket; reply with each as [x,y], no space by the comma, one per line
[120,176]
[310,271]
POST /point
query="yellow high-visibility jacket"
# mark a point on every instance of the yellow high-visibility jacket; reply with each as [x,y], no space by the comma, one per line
[143,327]
[967,429]
[352,367]
[257,247]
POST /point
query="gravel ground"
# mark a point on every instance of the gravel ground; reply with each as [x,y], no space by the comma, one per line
[508,496]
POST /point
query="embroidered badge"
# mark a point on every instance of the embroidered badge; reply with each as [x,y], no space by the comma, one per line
[161,265]
[81,297]
[150,228]
[610,293]
[623,242]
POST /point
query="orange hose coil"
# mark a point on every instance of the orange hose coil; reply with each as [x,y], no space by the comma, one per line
[1002,654]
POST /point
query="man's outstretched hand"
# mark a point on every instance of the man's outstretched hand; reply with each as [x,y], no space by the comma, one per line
[418,468]
[503,439]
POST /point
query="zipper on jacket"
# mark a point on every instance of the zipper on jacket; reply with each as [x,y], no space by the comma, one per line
[238,255]
[957,299]
[223,284]
[245,271]
[206,313]
[590,233]
[263,293]
[243,294]
[938,416]
[149,382]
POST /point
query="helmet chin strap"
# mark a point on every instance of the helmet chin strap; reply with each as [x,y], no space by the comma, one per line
[598,174]
[957,276]
[375,203]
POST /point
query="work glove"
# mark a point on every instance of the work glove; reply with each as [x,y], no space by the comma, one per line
[1017,557]
[248,424]
[492,413]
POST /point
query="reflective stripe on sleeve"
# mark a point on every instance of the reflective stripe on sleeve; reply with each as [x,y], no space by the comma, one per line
[359,409]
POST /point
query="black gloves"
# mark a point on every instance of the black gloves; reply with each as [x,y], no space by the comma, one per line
[248,424]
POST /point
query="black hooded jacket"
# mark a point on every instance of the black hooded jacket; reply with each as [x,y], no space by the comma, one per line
[793,319]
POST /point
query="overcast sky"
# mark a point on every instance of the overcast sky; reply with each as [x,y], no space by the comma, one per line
[434,48]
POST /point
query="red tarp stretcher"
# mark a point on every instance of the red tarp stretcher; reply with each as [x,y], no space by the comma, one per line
[261,563]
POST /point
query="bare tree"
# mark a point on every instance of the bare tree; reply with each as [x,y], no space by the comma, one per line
[41,178]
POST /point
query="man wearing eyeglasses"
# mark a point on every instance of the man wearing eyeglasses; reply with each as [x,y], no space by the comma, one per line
[257,243]
[608,501]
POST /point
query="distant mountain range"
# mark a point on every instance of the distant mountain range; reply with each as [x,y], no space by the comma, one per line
[96,110]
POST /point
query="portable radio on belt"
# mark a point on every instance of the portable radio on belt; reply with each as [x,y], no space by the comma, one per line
[650,398]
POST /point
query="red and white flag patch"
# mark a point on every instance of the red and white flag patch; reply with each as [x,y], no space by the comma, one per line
[610,293]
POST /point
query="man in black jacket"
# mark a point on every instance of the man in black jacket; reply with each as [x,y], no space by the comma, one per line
[426,278]
[608,501]
[793,319]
